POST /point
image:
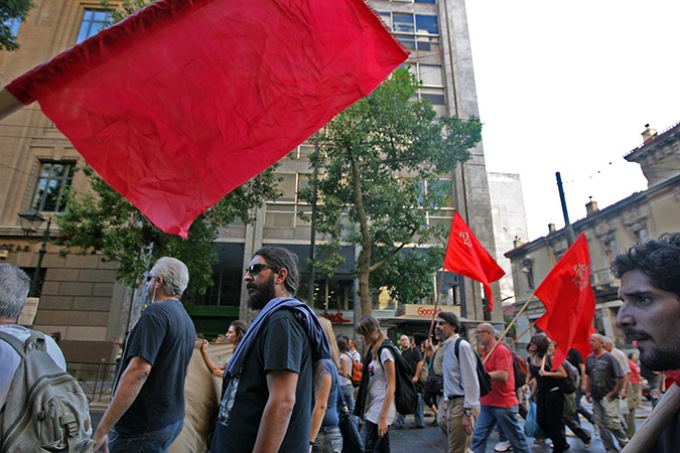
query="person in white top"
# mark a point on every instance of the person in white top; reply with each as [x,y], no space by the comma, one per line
[379,406]
[346,370]
[14,286]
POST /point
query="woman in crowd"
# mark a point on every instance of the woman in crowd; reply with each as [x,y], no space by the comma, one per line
[325,433]
[375,402]
[549,398]
[345,370]
[234,335]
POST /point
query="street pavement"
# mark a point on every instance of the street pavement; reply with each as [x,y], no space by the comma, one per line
[430,438]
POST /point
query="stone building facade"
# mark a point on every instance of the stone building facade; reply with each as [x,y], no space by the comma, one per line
[612,230]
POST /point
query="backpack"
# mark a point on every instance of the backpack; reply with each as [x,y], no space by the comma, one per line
[571,382]
[405,395]
[357,371]
[519,369]
[46,409]
[482,376]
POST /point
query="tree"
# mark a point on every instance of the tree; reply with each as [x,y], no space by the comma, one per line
[11,10]
[380,164]
[105,222]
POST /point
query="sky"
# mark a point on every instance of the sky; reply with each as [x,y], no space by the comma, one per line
[569,86]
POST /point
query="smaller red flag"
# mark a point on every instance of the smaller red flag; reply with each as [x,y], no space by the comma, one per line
[466,256]
[569,302]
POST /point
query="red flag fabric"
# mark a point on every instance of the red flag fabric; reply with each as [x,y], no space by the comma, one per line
[569,302]
[466,256]
[182,102]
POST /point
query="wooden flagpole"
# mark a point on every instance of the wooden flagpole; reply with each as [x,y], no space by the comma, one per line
[505,332]
[436,304]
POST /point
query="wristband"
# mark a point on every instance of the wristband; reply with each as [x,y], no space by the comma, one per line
[467,412]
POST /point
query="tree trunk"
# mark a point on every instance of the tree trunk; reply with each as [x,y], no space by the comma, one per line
[366,242]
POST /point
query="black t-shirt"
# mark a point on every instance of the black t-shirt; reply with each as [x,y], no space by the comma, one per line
[413,356]
[281,345]
[164,336]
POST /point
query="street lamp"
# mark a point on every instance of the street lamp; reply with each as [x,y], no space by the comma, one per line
[30,221]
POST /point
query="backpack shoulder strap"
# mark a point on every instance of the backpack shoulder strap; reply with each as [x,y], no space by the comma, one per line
[456,347]
[14,342]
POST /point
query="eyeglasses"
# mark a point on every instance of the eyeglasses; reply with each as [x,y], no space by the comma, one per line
[477,332]
[151,277]
[255,269]
[442,323]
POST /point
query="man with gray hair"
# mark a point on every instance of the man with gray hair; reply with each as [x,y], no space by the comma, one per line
[147,409]
[14,286]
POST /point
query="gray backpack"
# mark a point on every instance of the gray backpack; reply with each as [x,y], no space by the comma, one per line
[46,409]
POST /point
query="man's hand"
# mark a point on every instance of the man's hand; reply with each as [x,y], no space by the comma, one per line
[101,443]
[467,425]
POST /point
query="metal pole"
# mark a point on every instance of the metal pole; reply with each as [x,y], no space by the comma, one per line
[312,234]
[41,254]
[567,225]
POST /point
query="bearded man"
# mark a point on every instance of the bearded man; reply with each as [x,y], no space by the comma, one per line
[267,403]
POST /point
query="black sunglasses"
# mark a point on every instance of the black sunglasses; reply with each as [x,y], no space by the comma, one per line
[151,277]
[255,269]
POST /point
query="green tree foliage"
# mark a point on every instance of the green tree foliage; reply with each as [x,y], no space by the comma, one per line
[11,10]
[373,158]
[103,221]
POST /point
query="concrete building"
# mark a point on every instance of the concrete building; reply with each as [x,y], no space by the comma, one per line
[609,231]
[509,224]
[78,295]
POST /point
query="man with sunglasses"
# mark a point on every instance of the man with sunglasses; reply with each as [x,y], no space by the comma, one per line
[267,403]
[460,408]
[147,409]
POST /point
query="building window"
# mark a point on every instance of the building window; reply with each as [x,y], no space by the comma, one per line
[53,182]
[431,76]
[94,20]
[283,213]
[414,31]
[444,214]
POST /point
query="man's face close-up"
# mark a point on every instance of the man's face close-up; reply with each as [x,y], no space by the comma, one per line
[650,316]
[260,280]
[404,342]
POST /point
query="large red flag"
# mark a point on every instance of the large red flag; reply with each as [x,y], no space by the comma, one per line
[185,100]
[466,256]
[569,302]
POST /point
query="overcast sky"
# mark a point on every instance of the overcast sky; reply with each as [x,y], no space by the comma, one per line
[568,87]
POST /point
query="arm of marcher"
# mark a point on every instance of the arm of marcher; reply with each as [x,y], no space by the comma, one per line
[499,375]
[320,404]
[131,382]
[277,411]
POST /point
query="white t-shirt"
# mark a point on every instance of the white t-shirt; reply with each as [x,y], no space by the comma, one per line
[346,363]
[377,387]
[10,359]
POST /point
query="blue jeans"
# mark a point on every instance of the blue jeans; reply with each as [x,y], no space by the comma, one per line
[144,441]
[348,394]
[400,421]
[329,440]
[506,417]
[373,442]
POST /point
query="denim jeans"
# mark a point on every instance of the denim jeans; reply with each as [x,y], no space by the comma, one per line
[400,421]
[506,417]
[144,441]
[348,394]
[329,440]
[373,442]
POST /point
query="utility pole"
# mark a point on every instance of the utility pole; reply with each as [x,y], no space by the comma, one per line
[567,225]
[312,234]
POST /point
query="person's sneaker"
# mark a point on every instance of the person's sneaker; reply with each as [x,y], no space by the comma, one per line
[586,444]
[433,422]
[502,446]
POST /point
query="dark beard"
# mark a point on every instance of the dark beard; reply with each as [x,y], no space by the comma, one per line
[262,295]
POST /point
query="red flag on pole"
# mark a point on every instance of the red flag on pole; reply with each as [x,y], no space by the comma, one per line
[185,100]
[466,256]
[569,302]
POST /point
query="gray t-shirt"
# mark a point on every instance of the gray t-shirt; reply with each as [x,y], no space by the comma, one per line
[10,359]
[603,372]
